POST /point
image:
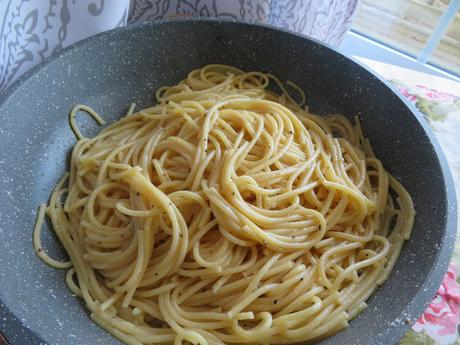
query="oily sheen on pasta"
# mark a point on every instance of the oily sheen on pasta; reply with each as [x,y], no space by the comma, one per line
[226,213]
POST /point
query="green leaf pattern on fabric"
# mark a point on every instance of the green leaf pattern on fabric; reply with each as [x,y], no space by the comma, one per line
[421,338]
[434,111]
[435,106]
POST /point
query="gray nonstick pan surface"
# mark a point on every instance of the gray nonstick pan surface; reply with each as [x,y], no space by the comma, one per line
[113,69]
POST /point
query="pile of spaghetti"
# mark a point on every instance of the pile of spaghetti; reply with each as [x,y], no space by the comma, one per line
[226,214]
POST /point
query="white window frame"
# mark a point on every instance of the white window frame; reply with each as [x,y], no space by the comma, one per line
[360,44]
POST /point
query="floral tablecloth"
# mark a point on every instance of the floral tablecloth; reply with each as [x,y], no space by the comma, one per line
[440,322]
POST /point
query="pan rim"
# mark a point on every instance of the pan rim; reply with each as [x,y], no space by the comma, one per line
[425,292]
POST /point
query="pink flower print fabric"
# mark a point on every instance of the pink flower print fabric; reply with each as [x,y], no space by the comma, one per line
[442,317]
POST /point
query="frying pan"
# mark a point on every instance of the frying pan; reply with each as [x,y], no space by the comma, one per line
[110,70]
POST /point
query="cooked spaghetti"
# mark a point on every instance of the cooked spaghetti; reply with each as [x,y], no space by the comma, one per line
[226,214]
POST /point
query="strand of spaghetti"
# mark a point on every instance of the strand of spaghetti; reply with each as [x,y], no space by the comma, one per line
[88,110]
[38,248]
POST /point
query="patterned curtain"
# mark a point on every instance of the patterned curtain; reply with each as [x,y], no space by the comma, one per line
[31,30]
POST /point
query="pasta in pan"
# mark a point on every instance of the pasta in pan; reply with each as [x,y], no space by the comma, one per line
[226,214]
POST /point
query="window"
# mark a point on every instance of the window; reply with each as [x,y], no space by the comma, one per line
[447,52]
[427,30]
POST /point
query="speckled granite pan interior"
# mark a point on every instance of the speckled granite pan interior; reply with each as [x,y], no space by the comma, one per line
[109,71]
